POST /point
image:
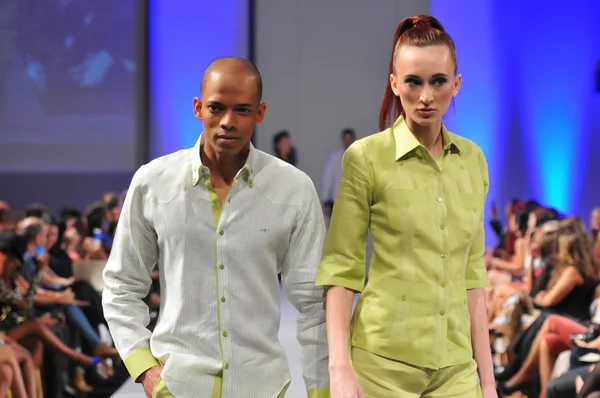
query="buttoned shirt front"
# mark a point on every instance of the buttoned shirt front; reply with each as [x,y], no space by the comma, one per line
[220,296]
[426,221]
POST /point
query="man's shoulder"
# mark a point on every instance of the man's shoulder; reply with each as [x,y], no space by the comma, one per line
[279,176]
[164,168]
[270,164]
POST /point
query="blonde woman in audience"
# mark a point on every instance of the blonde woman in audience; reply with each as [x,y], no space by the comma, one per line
[567,288]
[595,224]
[542,248]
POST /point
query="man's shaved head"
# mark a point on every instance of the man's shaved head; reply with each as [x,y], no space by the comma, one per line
[233,65]
[230,107]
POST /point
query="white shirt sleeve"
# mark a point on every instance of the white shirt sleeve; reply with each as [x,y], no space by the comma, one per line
[298,276]
[127,279]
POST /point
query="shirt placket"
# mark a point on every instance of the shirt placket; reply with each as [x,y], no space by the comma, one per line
[221,264]
[224,240]
[442,283]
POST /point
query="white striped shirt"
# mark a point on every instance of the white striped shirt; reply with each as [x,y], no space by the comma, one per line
[220,298]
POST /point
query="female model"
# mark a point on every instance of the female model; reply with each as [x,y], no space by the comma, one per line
[420,326]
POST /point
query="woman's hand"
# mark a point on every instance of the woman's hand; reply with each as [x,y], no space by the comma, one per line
[343,384]
[489,392]
[539,298]
[592,345]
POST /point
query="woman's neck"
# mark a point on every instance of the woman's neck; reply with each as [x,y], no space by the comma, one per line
[428,136]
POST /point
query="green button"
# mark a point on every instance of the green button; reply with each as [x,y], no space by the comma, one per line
[444,284]
[226,366]
[443,255]
[223,299]
[403,298]
[221,232]
[442,313]
[225,333]
[222,266]
[442,226]
[229,200]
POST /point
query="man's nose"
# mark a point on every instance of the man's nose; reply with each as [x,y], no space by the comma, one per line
[228,121]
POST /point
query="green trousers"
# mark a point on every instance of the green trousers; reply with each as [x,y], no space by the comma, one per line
[381,377]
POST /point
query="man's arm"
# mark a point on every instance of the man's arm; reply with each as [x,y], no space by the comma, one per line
[298,276]
[127,280]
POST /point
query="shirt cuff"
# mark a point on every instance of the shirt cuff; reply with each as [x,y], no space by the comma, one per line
[354,284]
[319,392]
[477,283]
[140,361]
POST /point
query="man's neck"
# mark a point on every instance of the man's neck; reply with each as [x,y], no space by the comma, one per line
[224,167]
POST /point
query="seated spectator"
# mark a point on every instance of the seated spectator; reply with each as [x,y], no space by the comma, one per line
[567,287]
[50,297]
[5,223]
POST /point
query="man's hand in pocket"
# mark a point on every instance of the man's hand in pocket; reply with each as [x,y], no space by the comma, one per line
[149,379]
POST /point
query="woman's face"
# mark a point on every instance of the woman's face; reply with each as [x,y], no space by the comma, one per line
[7,265]
[424,80]
[52,236]
[595,220]
[512,224]
[284,145]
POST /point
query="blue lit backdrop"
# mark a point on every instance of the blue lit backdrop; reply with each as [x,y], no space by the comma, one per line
[185,35]
[528,94]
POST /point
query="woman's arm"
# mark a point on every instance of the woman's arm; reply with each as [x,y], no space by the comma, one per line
[476,280]
[49,277]
[339,312]
[342,269]
[569,279]
[480,338]
[515,265]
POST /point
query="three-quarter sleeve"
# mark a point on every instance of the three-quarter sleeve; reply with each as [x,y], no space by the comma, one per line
[344,255]
[476,274]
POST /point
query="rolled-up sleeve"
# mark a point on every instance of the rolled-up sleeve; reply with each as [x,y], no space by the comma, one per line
[476,274]
[344,257]
[127,280]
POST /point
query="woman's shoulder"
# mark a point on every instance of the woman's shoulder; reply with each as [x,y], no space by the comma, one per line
[375,146]
[572,272]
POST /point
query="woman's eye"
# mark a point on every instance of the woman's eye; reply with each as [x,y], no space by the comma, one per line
[412,82]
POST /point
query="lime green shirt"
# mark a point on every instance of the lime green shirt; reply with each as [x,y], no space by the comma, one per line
[426,221]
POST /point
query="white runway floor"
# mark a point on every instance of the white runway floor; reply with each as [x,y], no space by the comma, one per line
[287,336]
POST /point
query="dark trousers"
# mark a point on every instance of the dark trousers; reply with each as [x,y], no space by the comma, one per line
[564,386]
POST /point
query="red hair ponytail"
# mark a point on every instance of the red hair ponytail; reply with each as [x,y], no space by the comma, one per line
[420,31]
